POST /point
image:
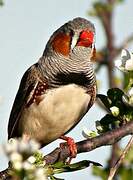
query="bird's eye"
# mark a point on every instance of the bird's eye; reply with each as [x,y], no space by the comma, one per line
[86,39]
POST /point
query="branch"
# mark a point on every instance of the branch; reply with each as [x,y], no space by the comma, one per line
[1,3]
[107,138]
[118,163]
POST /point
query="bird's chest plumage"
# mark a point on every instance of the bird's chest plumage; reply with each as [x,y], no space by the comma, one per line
[60,109]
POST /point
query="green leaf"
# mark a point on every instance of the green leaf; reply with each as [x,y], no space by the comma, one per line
[107,123]
[58,164]
[107,119]
[55,178]
[125,173]
[105,100]
[126,80]
[97,171]
[39,158]
[75,167]
[115,94]
[129,158]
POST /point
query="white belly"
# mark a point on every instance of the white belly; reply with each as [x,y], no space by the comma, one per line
[59,110]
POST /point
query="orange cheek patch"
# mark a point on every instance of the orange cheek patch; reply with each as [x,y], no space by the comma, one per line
[61,44]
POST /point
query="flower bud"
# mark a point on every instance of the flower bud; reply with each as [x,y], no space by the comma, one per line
[31,159]
[115,111]
[88,134]
[15,156]
[28,166]
[17,165]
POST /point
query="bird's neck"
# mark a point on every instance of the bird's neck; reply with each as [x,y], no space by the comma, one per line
[62,71]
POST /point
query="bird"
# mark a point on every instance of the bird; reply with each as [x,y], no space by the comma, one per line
[58,90]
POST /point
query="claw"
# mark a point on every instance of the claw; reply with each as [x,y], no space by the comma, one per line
[72,147]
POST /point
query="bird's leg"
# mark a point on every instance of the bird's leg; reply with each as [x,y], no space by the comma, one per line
[72,147]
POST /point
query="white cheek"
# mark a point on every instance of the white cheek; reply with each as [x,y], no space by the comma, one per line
[74,40]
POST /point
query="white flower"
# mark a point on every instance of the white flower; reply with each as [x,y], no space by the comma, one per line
[129,64]
[126,61]
[34,146]
[17,165]
[24,146]
[28,166]
[15,156]
[15,148]
[118,64]
[40,174]
[88,134]
[130,92]
[31,159]
[115,111]
[128,98]
[11,146]
[29,147]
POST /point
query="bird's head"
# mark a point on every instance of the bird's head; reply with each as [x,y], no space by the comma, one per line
[69,52]
[75,38]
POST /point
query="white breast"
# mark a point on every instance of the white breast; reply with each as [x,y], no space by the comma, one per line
[59,110]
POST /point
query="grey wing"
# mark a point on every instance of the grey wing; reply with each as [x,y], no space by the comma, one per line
[26,89]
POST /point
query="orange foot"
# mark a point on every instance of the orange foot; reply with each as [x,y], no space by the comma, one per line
[72,147]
